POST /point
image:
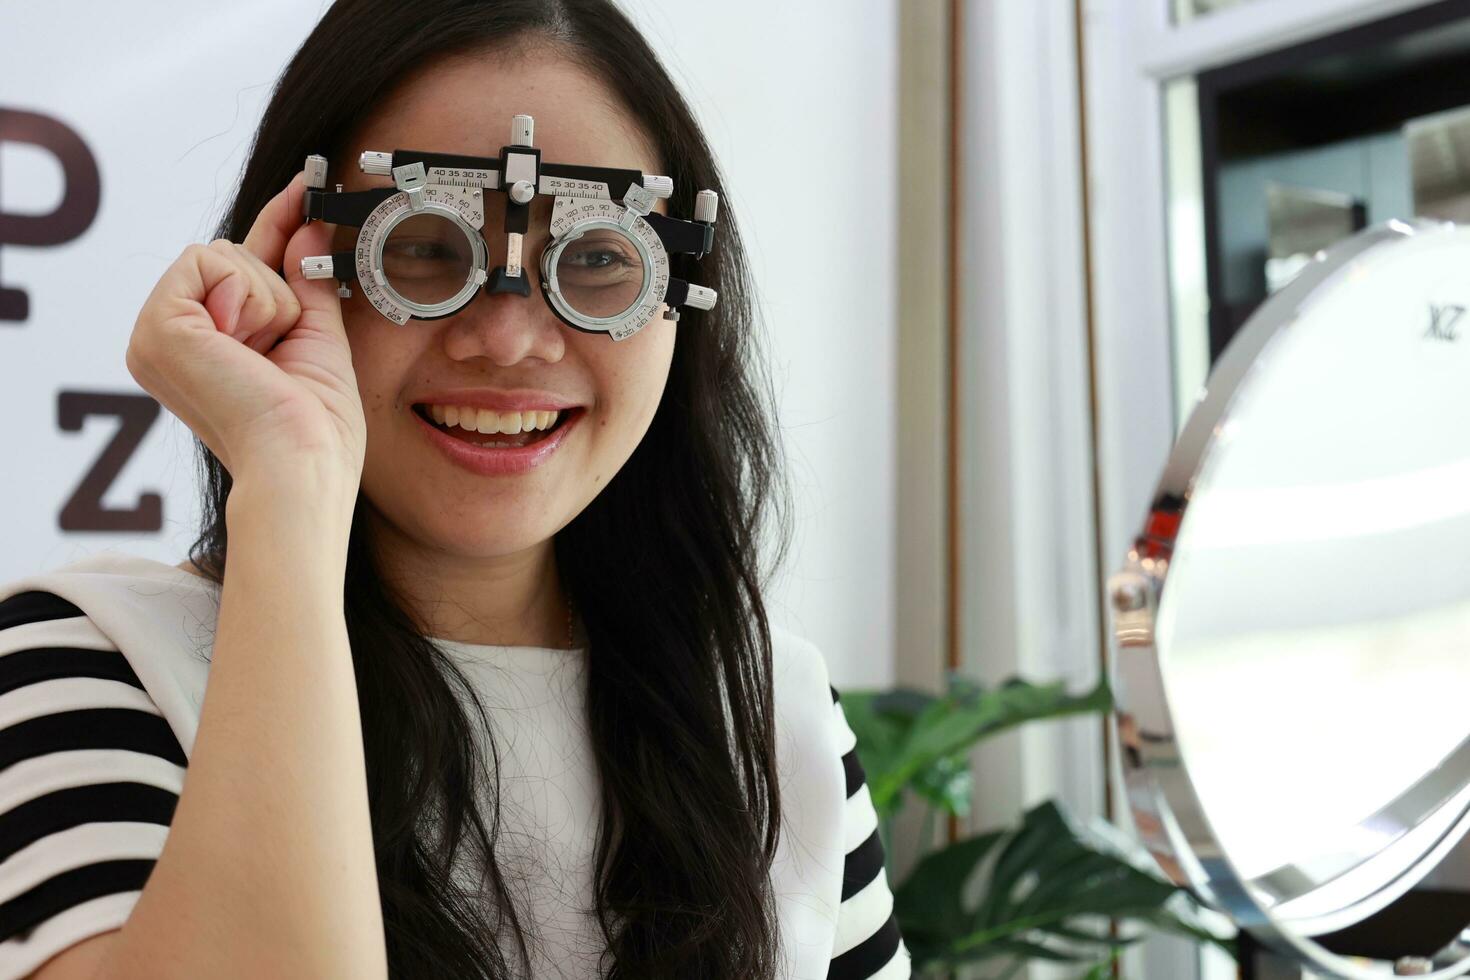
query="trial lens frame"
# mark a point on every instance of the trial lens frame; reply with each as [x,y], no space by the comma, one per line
[451,187]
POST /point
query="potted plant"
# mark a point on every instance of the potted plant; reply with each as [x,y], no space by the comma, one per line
[1052,888]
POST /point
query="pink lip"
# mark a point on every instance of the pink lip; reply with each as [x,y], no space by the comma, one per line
[498,462]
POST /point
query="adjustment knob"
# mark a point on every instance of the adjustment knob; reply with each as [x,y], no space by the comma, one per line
[522,129]
[706,206]
[316,171]
[522,191]
[658,186]
[701,297]
[375,162]
[316,267]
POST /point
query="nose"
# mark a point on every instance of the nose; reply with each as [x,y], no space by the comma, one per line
[506,324]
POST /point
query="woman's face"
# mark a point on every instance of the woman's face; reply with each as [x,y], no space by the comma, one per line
[503,341]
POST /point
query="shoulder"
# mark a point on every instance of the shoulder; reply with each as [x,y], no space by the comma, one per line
[804,697]
[803,694]
[831,809]
[158,617]
[116,589]
[799,665]
[65,687]
[809,708]
[90,773]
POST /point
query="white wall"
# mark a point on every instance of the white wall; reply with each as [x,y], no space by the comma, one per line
[796,99]
[799,101]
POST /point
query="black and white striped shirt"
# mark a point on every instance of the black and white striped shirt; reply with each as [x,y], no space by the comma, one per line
[868,943]
[98,711]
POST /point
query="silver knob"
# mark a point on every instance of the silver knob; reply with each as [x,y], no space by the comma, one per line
[658,186]
[701,297]
[522,191]
[706,206]
[375,162]
[1128,593]
[316,267]
[522,131]
[316,171]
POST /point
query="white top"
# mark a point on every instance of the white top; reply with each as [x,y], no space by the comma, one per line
[103,666]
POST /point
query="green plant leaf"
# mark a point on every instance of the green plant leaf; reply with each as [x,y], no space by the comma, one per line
[1102,970]
[1044,884]
[934,888]
[947,784]
[1181,922]
[902,734]
[1037,951]
[1035,892]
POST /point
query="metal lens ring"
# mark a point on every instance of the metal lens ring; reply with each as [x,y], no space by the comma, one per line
[426,262]
[599,275]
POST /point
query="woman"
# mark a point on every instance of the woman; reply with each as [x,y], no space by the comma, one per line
[458,723]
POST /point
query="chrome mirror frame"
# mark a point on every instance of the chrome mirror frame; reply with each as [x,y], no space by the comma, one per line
[1167,810]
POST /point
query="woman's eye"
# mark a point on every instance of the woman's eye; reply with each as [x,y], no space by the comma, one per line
[593,259]
[418,250]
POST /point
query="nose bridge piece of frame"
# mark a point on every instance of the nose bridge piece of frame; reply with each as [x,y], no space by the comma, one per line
[500,281]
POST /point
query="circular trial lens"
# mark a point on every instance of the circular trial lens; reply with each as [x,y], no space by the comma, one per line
[427,259]
[600,272]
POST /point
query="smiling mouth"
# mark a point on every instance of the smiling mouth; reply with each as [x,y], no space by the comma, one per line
[497,439]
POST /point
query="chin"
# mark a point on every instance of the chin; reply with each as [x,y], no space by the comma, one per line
[491,537]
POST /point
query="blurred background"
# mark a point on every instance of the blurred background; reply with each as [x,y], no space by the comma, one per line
[1039,224]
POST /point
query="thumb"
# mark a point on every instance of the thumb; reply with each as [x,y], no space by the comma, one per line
[226,299]
[318,297]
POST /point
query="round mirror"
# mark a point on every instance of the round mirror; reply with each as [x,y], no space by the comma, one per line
[1293,621]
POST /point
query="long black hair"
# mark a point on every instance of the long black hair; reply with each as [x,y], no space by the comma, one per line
[662,566]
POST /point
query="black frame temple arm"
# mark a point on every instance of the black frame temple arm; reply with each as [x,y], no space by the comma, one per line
[346,207]
[694,237]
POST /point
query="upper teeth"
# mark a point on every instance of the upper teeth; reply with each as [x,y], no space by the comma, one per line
[485,421]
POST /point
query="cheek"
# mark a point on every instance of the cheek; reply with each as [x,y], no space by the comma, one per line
[633,380]
[381,355]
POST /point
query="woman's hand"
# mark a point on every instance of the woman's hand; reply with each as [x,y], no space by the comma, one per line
[256,365]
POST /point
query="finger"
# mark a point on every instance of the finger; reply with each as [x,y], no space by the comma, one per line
[204,280]
[277,222]
[262,342]
[318,296]
[225,299]
[269,282]
[259,309]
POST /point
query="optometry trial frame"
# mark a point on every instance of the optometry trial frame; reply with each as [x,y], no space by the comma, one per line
[420,253]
